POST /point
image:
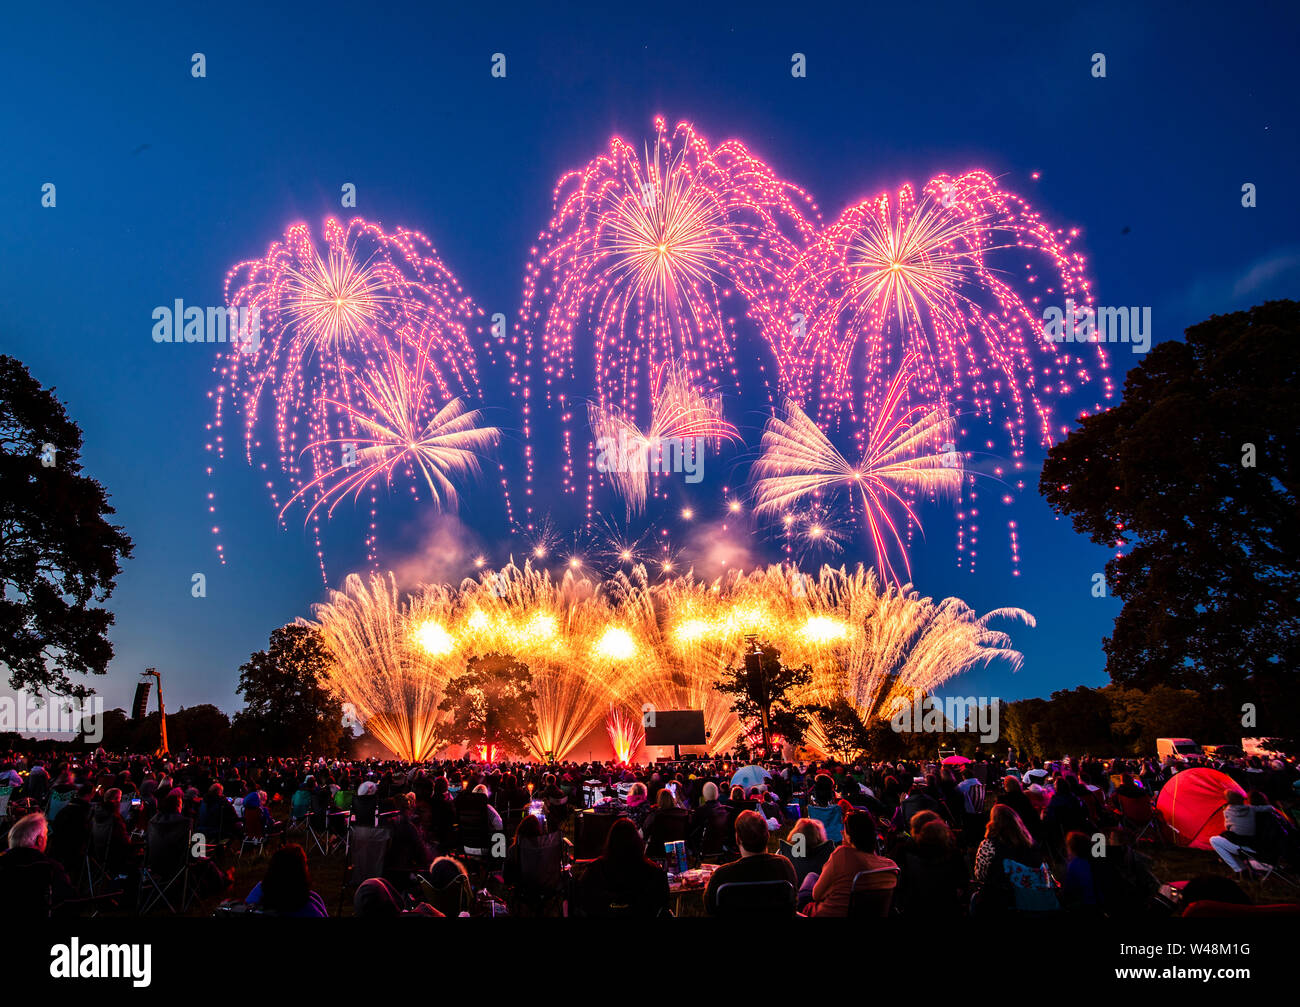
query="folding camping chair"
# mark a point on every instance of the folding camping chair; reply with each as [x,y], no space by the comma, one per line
[872,903]
[456,896]
[299,812]
[1265,854]
[60,798]
[255,834]
[756,899]
[365,858]
[474,838]
[832,818]
[105,862]
[713,838]
[543,874]
[166,861]
[1139,816]
[322,824]
[590,829]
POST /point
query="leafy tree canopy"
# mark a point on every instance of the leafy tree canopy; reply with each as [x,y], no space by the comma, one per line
[288,706]
[59,556]
[491,704]
[764,698]
[1193,477]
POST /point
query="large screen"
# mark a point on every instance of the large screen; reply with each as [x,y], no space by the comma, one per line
[676,727]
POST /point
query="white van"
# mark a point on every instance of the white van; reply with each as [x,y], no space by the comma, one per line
[1177,748]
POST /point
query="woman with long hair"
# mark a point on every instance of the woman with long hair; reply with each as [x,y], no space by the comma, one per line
[285,890]
[1005,839]
[621,882]
[934,880]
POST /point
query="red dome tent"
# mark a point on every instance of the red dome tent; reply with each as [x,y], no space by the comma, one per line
[1192,805]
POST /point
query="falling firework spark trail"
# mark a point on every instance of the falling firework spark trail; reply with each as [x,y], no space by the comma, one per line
[925,276]
[959,278]
[333,313]
[399,432]
[640,255]
[681,420]
[903,455]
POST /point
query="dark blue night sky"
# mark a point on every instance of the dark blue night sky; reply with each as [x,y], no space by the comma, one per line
[165,181]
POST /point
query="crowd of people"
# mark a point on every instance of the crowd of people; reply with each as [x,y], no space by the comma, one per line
[992,837]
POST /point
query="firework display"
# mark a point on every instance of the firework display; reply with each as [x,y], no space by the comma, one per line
[638,267]
[363,340]
[383,664]
[957,278]
[681,419]
[880,337]
[626,733]
[904,452]
[608,651]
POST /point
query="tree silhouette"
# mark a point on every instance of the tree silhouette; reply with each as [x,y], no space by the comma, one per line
[491,705]
[288,707]
[59,556]
[761,690]
[1192,478]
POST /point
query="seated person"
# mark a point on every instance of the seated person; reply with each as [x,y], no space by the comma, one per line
[638,803]
[377,899]
[807,847]
[530,835]
[1079,891]
[285,890]
[708,833]
[1005,839]
[755,863]
[666,822]
[832,888]
[621,881]
[110,842]
[300,803]
[935,882]
[217,818]
[448,887]
[1240,829]
[32,885]
[1128,788]
[825,808]
[407,851]
[255,802]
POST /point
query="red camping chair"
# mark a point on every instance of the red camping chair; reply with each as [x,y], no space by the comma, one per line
[1139,815]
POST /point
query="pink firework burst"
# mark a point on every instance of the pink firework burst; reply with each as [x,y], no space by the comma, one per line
[958,277]
[335,311]
[798,469]
[643,252]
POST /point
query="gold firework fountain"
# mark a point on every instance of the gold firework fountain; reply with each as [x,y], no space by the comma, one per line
[617,646]
[391,659]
